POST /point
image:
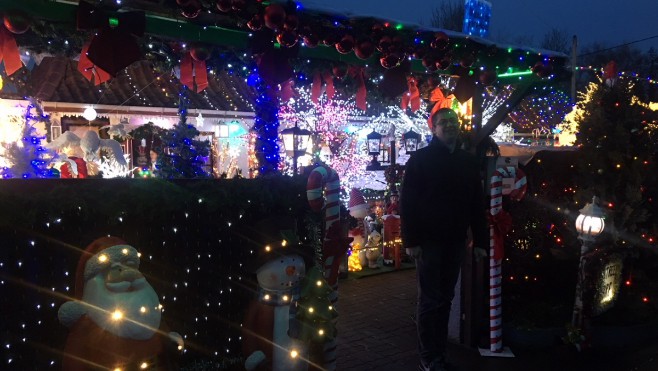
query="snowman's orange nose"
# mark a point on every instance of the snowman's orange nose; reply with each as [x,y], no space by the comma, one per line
[290,270]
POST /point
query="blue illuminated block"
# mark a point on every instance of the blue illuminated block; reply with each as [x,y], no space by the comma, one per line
[477,16]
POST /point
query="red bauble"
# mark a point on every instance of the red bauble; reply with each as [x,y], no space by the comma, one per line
[391,60]
[487,78]
[224,5]
[339,71]
[274,17]
[378,28]
[384,44]
[287,39]
[364,49]
[443,63]
[419,52]
[291,23]
[467,60]
[256,23]
[429,62]
[440,41]
[330,39]
[346,44]
[189,8]
[17,21]
[199,52]
[311,40]
[542,70]
[238,5]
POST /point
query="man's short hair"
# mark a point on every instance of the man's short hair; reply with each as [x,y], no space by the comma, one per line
[435,115]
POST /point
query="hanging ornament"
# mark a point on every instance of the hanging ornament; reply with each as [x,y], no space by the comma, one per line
[542,70]
[339,70]
[390,60]
[444,63]
[467,60]
[440,41]
[364,49]
[419,52]
[274,17]
[291,23]
[345,45]
[199,52]
[330,39]
[16,21]
[311,40]
[238,5]
[255,23]
[287,39]
[384,44]
[488,77]
[224,5]
[189,8]
[429,62]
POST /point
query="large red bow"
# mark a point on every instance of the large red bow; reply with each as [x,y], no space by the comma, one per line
[412,97]
[193,73]
[440,101]
[501,224]
[89,70]
[316,89]
[357,73]
[113,47]
[9,52]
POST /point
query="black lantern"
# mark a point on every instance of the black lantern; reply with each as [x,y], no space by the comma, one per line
[374,141]
[295,141]
[411,140]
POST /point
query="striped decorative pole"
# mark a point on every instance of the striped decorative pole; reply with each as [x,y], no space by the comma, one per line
[323,190]
[496,250]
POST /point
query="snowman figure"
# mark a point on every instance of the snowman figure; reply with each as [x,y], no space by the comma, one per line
[279,268]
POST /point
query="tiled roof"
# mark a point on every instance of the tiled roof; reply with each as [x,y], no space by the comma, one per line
[56,79]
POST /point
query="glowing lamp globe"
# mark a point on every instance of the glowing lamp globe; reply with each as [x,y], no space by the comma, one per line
[590,222]
[374,143]
[89,114]
[295,141]
[411,140]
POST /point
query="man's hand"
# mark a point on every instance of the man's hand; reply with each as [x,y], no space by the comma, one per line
[479,253]
[414,252]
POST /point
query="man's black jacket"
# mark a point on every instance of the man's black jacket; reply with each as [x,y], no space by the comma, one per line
[441,197]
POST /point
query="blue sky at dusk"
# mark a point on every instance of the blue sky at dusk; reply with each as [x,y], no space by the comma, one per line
[610,22]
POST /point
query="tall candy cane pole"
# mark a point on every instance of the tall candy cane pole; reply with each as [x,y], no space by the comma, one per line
[499,226]
[324,179]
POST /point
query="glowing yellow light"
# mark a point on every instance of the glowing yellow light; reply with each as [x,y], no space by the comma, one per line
[285,298]
[144,365]
[321,332]
[124,251]
[319,283]
[284,243]
[118,369]
[618,166]
[117,315]
[139,254]
[310,310]
[268,248]
[142,309]
[102,258]
[159,306]
[293,353]
[331,307]
[266,297]
[180,347]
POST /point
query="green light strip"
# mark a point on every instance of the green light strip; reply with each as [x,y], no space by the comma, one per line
[512,74]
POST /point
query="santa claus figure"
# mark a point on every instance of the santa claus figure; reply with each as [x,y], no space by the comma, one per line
[279,267]
[115,320]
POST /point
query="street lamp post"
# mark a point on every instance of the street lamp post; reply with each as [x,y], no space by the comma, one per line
[374,141]
[295,141]
[411,140]
[589,225]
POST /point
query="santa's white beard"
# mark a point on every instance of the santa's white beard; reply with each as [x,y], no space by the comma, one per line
[138,304]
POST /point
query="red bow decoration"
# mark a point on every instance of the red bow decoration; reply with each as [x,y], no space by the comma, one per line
[610,70]
[193,73]
[113,47]
[412,97]
[357,73]
[316,89]
[9,52]
[440,101]
[90,71]
[502,224]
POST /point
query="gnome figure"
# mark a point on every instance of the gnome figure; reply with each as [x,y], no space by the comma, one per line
[279,268]
[359,210]
[115,319]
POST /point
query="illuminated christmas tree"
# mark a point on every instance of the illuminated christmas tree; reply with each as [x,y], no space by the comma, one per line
[181,155]
[28,158]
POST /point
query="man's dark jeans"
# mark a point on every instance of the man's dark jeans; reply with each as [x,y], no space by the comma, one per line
[437,271]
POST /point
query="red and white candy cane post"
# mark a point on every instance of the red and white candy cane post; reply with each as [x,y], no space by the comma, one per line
[500,223]
[323,190]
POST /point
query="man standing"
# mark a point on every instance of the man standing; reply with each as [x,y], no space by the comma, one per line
[441,197]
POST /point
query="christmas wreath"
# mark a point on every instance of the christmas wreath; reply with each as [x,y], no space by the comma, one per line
[394,174]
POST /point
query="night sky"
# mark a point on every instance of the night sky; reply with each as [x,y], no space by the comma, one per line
[609,22]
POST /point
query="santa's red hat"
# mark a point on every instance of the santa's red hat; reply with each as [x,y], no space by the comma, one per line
[356,198]
[99,255]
